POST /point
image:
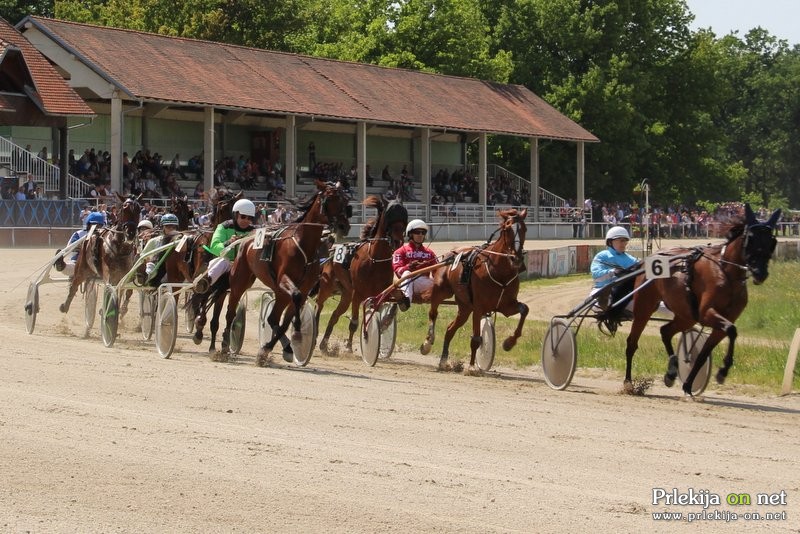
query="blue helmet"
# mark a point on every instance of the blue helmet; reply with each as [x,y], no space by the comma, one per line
[95,218]
[169,218]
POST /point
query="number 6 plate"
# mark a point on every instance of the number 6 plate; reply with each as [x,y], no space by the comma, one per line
[657,267]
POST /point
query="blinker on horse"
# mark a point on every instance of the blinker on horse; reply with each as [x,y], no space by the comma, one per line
[708,285]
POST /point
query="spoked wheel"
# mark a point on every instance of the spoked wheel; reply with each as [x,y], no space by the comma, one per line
[188,312]
[90,303]
[304,347]
[31,307]
[388,323]
[370,334]
[264,329]
[559,354]
[237,328]
[147,308]
[689,345]
[166,325]
[109,316]
[485,355]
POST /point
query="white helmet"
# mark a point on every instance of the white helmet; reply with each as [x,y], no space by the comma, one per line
[416,224]
[244,207]
[145,223]
[616,232]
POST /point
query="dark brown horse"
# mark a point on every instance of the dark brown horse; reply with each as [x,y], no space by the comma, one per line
[109,253]
[708,285]
[293,268]
[490,284]
[366,269]
[222,210]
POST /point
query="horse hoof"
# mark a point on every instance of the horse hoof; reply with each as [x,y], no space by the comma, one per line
[721,376]
[219,356]
[627,387]
[62,308]
[262,359]
[425,348]
[472,371]
[444,366]
[669,380]
[288,356]
[197,338]
[509,343]
[672,371]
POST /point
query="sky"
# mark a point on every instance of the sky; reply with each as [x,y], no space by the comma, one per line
[780,18]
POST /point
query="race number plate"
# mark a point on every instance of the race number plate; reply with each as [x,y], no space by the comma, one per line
[657,266]
[339,253]
[258,242]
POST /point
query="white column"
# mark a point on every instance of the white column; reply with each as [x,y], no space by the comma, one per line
[290,158]
[208,148]
[482,166]
[580,177]
[361,158]
[425,169]
[117,125]
[535,177]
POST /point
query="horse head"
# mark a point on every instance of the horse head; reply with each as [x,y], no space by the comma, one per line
[395,219]
[514,229]
[128,215]
[335,207]
[223,207]
[180,207]
[759,243]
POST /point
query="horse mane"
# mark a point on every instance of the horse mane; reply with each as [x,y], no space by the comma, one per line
[371,226]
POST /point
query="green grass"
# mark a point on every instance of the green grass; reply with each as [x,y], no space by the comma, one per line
[765,332]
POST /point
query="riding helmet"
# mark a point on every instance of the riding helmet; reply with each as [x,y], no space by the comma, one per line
[616,232]
[244,207]
[416,224]
[145,223]
[95,218]
[169,218]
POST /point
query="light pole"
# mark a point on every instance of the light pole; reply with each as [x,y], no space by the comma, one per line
[644,186]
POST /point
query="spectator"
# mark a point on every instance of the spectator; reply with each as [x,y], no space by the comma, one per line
[20,195]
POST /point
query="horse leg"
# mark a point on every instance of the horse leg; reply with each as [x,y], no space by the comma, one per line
[278,328]
[645,303]
[461,317]
[354,317]
[522,309]
[344,302]
[123,309]
[433,314]
[475,343]
[668,332]
[198,304]
[219,300]
[713,340]
[73,288]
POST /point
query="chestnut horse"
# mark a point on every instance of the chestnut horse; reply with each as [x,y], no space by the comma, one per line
[491,284]
[367,270]
[708,285]
[109,253]
[293,268]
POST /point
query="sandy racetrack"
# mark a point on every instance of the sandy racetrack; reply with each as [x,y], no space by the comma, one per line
[119,440]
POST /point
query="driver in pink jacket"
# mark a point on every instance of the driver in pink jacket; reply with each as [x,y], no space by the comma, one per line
[410,257]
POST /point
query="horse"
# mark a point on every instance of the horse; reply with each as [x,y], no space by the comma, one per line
[109,253]
[222,210]
[483,279]
[367,268]
[293,267]
[708,285]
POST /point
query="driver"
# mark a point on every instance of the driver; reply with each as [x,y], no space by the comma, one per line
[410,257]
[226,233]
[156,268]
[67,265]
[606,266]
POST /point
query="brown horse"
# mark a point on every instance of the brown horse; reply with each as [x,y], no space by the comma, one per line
[293,267]
[365,269]
[109,253]
[485,279]
[708,285]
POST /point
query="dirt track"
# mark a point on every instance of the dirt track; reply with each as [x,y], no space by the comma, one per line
[118,440]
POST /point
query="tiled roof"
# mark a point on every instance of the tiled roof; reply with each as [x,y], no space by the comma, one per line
[51,90]
[162,68]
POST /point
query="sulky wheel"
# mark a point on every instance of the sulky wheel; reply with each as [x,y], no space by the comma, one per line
[237,328]
[689,345]
[31,307]
[388,323]
[370,334]
[147,309]
[559,354]
[166,324]
[303,348]
[109,316]
[89,303]
[485,355]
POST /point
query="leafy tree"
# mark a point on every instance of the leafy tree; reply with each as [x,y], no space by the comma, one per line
[15,10]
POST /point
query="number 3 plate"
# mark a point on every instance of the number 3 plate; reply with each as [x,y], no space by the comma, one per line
[657,266]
